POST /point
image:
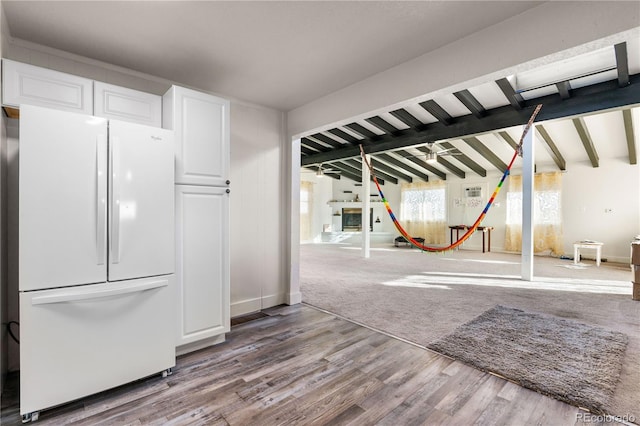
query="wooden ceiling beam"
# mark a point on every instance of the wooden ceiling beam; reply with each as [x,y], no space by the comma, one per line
[508,139]
[481,149]
[357,177]
[411,157]
[326,139]
[477,168]
[377,165]
[515,99]
[360,129]
[398,163]
[345,166]
[512,143]
[406,117]
[379,173]
[564,89]
[345,136]
[587,142]
[631,139]
[584,100]
[471,103]
[382,124]
[352,173]
[315,145]
[622,64]
[437,111]
[307,151]
[347,171]
[551,148]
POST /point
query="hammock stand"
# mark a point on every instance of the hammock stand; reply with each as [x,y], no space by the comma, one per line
[474,227]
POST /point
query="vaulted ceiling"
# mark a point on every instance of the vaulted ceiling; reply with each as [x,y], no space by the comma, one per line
[587,114]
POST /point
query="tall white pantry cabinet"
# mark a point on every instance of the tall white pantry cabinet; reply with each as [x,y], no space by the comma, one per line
[202,134]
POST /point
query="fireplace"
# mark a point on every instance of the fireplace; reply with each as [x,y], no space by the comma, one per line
[352,219]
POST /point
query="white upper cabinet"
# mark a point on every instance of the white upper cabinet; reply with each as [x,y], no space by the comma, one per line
[28,84]
[127,104]
[201,125]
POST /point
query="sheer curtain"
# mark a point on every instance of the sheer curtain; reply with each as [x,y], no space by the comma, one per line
[306,210]
[547,216]
[423,210]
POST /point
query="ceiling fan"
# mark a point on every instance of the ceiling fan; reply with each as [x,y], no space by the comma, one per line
[320,172]
[435,150]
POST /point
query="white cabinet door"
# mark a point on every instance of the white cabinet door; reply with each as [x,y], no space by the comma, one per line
[141,188]
[202,264]
[125,104]
[28,84]
[201,125]
[62,202]
[77,341]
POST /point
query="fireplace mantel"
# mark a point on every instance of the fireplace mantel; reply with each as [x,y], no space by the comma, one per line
[347,203]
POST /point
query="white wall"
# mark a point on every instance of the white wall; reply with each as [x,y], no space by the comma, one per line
[461,211]
[258,225]
[321,211]
[257,222]
[587,195]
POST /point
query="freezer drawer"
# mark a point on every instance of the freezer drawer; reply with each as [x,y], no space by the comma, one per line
[77,341]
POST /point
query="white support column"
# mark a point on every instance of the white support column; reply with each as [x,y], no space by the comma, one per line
[528,155]
[366,206]
[294,296]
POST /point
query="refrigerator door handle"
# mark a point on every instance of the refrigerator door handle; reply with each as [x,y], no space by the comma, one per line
[101,189]
[84,295]
[115,201]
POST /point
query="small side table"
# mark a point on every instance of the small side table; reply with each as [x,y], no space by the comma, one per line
[485,230]
[597,246]
[458,228]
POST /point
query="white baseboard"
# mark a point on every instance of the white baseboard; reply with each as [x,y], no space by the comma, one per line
[245,307]
[256,304]
[201,344]
[294,298]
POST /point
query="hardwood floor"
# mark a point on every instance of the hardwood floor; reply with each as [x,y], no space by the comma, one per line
[299,365]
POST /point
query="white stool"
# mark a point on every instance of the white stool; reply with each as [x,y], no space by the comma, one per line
[587,244]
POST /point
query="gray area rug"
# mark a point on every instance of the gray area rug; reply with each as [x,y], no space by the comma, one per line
[567,360]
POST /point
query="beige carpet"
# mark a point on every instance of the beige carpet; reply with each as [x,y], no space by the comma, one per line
[422,297]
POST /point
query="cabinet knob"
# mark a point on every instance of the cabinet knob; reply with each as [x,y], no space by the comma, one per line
[228,190]
[228,182]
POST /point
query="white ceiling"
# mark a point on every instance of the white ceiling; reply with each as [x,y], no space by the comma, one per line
[281,54]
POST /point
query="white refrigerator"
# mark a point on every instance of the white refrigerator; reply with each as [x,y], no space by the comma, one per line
[96,255]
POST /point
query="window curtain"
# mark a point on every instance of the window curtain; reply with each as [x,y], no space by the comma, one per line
[306,210]
[423,210]
[547,216]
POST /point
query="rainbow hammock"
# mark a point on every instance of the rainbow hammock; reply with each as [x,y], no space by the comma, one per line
[474,227]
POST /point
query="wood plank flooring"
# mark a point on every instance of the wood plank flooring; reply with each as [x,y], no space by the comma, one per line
[299,365]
